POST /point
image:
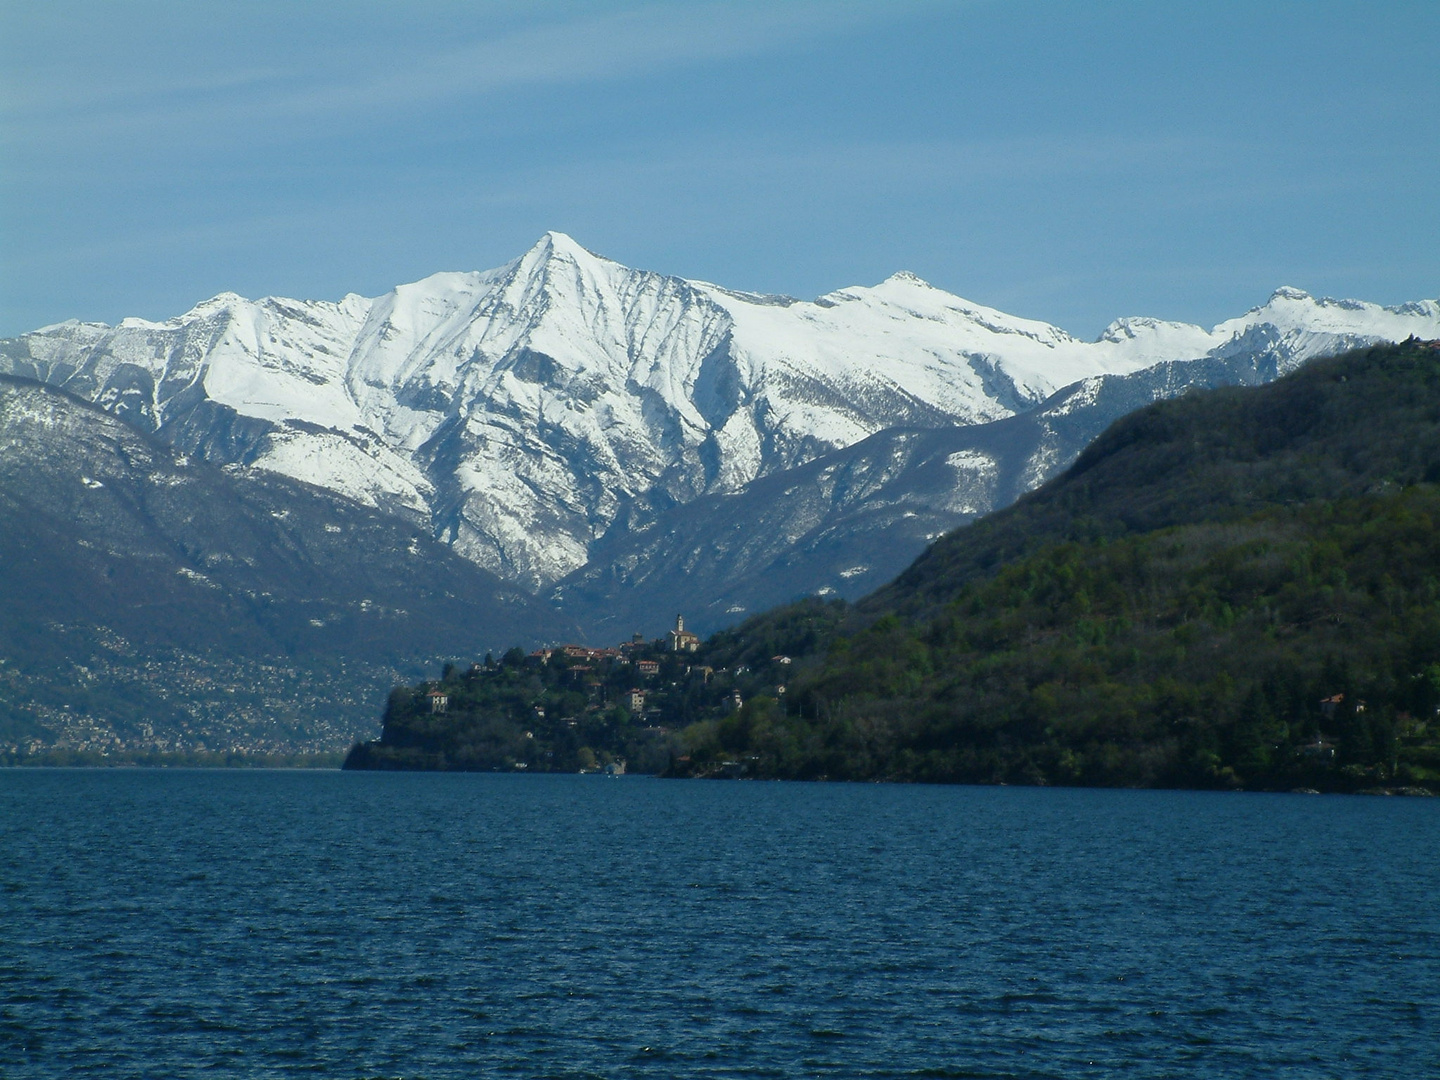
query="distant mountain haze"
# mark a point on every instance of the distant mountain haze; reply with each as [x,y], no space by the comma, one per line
[151,600]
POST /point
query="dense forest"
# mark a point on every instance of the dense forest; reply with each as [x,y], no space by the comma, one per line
[1239,588]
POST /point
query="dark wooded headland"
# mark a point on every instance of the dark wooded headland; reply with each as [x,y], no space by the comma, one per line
[1238,588]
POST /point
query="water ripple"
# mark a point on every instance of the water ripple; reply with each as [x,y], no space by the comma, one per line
[170,924]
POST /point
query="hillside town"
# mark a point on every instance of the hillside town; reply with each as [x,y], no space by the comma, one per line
[582,708]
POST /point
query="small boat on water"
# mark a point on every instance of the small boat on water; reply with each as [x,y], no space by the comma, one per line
[616,768]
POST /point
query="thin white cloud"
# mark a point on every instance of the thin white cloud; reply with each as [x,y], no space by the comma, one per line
[618,44]
[356,75]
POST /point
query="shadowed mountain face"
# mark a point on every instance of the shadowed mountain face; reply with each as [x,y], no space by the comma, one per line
[851,520]
[149,596]
[1356,425]
[523,415]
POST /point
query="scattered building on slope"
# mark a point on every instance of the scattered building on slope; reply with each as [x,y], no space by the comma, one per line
[681,640]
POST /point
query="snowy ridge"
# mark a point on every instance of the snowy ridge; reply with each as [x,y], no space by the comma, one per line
[523,411]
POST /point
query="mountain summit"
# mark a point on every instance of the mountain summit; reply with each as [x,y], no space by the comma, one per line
[520,413]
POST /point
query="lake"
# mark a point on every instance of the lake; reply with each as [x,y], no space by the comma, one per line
[277,924]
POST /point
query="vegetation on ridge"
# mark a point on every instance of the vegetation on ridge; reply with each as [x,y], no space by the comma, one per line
[1297,648]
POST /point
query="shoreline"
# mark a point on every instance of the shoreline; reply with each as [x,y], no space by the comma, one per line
[185,759]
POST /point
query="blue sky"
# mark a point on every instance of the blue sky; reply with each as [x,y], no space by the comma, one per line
[1073,162]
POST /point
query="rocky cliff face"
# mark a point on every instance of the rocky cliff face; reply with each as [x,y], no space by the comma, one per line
[525,414]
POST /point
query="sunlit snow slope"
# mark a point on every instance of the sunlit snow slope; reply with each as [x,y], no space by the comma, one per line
[517,412]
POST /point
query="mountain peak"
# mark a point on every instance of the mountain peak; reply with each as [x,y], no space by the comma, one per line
[555,244]
[1286,292]
[555,258]
[905,277]
[219,300]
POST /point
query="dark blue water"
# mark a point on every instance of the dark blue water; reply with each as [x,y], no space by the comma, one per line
[365,925]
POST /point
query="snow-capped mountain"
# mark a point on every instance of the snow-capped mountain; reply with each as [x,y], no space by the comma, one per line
[520,412]
[853,519]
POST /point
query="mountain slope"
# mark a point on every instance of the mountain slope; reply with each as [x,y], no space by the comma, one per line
[518,414]
[847,521]
[153,599]
[1236,588]
[1352,424]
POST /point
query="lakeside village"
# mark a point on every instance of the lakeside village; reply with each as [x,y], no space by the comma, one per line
[577,708]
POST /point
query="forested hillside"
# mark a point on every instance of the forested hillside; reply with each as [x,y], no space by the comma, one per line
[1240,588]
[1293,648]
[1358,424]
